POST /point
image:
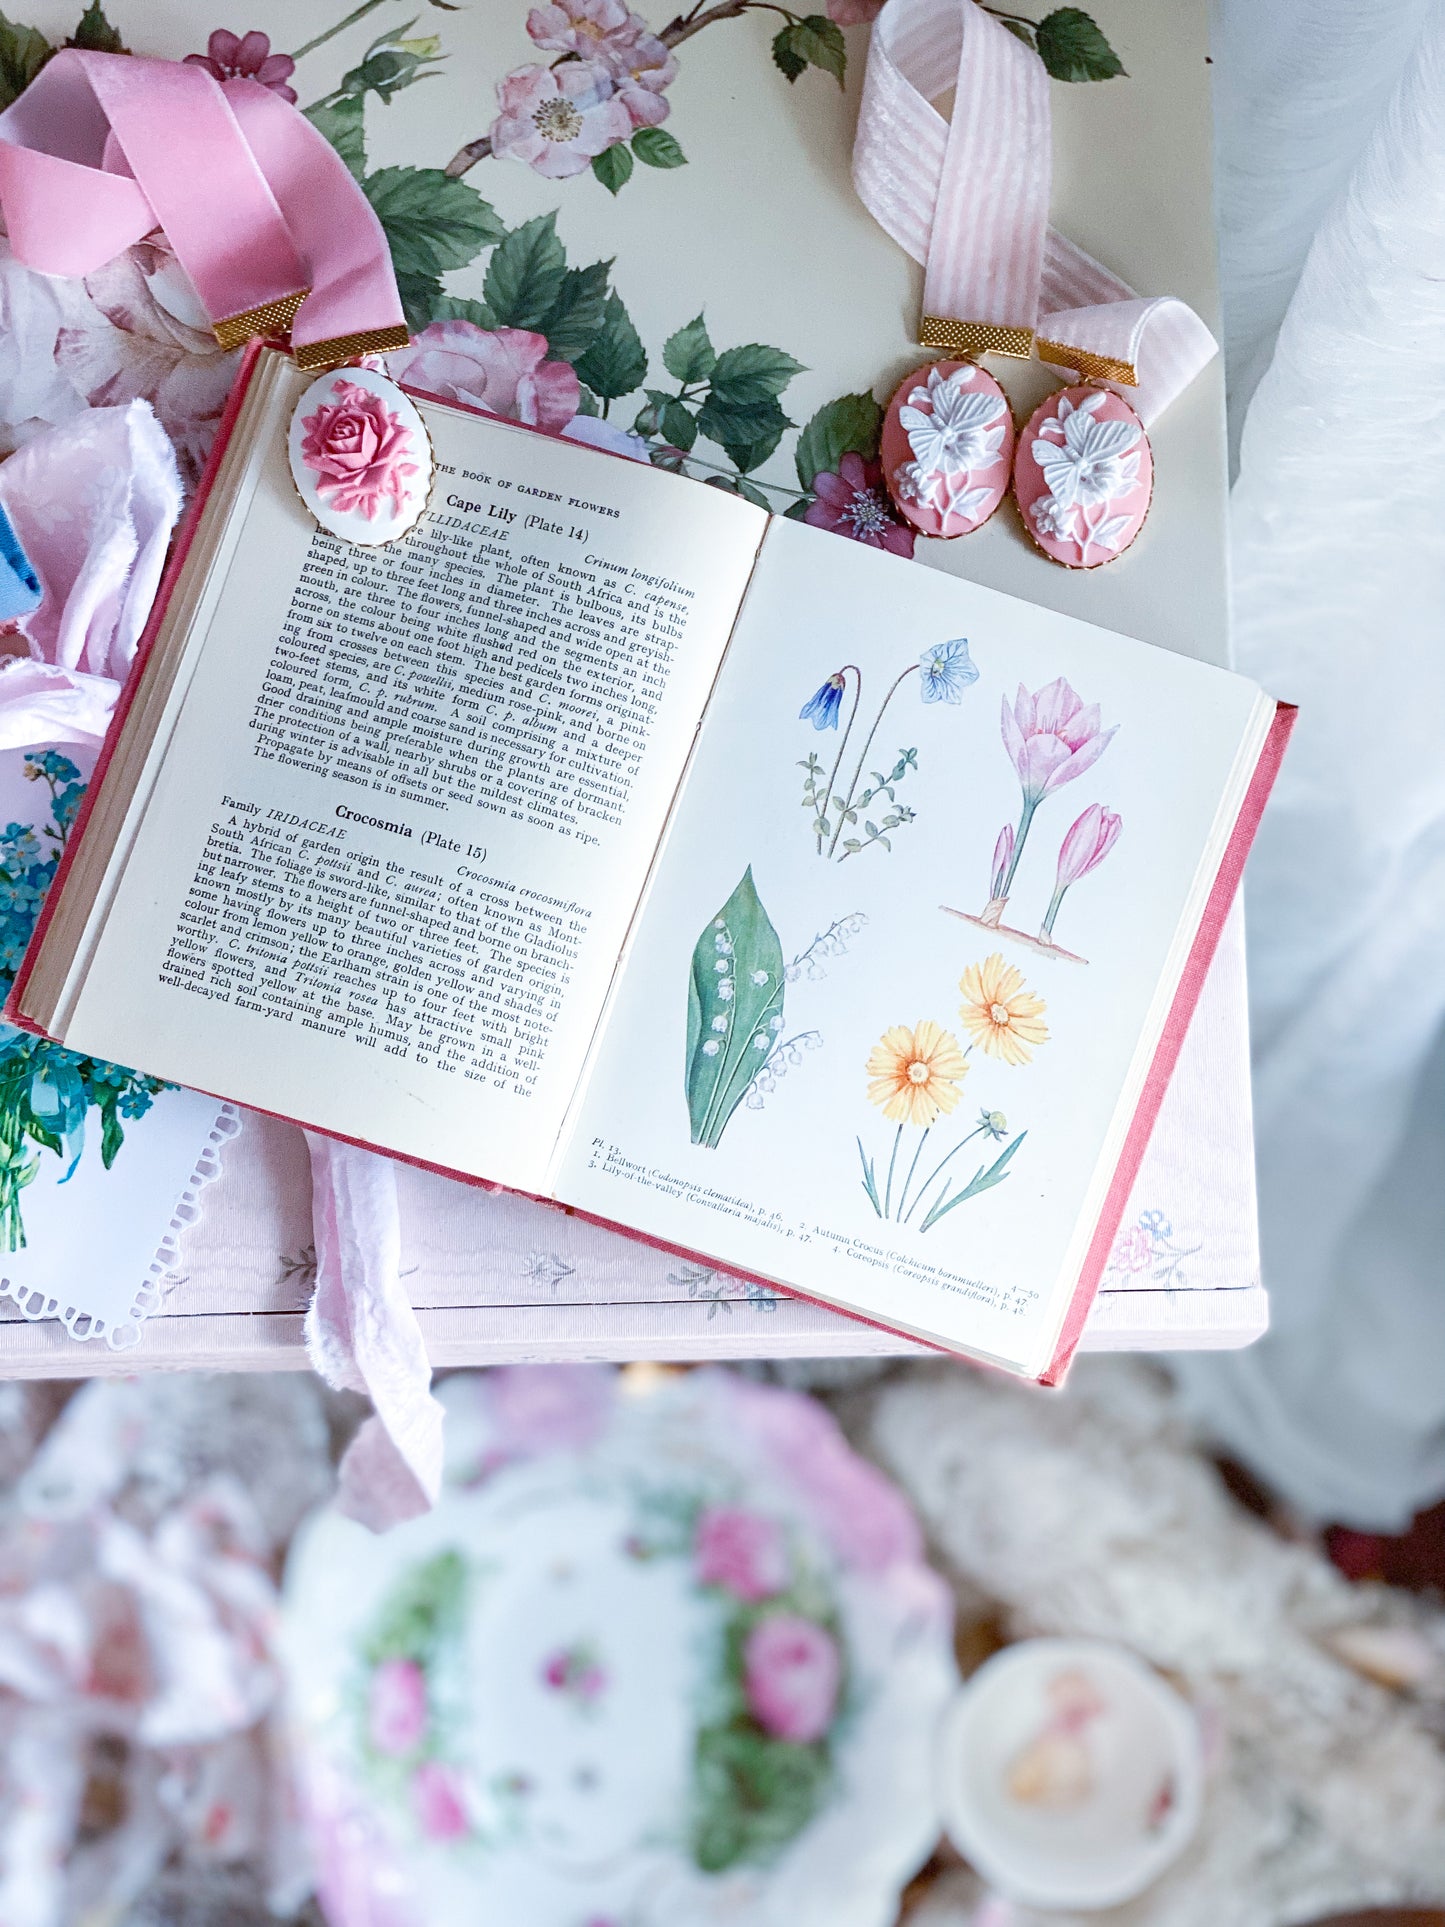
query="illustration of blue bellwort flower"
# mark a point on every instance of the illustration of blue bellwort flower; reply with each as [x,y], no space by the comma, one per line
[823,707]
[946,670]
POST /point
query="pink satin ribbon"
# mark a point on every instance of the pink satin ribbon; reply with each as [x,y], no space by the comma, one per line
[102,148]
[968,197]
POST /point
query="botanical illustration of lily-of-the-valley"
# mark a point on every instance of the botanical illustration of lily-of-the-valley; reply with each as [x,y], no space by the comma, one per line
[740,1043]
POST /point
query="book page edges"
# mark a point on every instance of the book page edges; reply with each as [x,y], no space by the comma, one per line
[1206,940]
[14,1010]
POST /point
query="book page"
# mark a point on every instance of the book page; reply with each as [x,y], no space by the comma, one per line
[413,792]
[926,878]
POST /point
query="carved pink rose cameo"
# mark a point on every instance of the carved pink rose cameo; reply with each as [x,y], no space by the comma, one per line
[360,456]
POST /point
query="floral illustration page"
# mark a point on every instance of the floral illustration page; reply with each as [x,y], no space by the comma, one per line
[921,899]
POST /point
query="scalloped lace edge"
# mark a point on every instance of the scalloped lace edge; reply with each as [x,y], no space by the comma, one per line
[151,1292]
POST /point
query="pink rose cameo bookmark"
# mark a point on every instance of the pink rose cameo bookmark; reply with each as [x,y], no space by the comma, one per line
[948,444]
[360,456]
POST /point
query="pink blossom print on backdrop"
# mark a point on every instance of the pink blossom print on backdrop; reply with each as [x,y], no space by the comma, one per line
[666,1652]
[360,456]
[948,444]
[1083,476]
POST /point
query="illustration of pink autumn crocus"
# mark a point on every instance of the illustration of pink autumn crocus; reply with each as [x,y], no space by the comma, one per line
[1088,842]
[1051,737]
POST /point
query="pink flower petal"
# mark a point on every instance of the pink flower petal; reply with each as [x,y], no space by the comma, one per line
[252,51]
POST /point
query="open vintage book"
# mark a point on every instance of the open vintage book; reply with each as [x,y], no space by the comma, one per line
[506,849]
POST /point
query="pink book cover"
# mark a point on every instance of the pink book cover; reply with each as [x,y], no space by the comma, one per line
[1225,886]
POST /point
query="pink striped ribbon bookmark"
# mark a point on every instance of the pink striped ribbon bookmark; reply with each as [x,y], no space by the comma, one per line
[968,197]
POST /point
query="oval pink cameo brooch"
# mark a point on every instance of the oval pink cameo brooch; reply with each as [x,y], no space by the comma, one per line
[1083,476]
[948,444]
[360,456]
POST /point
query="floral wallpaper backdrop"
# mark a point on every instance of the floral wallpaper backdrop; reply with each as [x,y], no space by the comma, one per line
[503,316]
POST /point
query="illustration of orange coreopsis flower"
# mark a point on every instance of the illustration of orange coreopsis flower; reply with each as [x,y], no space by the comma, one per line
[914,1075]
[1000,1015]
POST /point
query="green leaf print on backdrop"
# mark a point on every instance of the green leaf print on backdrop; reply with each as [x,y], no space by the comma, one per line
[616,362]
[734,1009]
[1072,47]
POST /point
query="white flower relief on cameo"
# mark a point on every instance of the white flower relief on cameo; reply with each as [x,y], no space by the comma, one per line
[1092,462]
[960,433]
[1053,517]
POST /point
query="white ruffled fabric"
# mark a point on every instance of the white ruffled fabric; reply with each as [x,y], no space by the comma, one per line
[1333,202]
[93,504]
[362,1336]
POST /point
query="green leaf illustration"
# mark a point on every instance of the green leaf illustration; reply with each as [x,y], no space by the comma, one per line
[525,274]
[341,121]
[23,52]
[688,356]
[424,1607]
[95,33]
[740,485]
[820,41]
[421,297]
[111,1133]
[982,1180]
[613,167]
[789,61]
[452,307]
[849,426]
[1021,30]
[814,42]
[749,432]
[657,148]
[751,454]
[574,320]
[753,1794]
[616,363]
[1072,47]
[753,373]
[679,424]
[734,1009]
[432,222]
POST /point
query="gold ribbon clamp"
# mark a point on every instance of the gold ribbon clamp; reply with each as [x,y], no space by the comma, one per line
[1089,367]
[273,319]
[968,339]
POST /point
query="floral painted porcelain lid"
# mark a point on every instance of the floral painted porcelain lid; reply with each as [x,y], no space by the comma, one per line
[667,1651]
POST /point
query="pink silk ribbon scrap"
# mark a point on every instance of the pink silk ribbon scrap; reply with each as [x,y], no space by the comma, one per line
[101,149]
[968,197]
